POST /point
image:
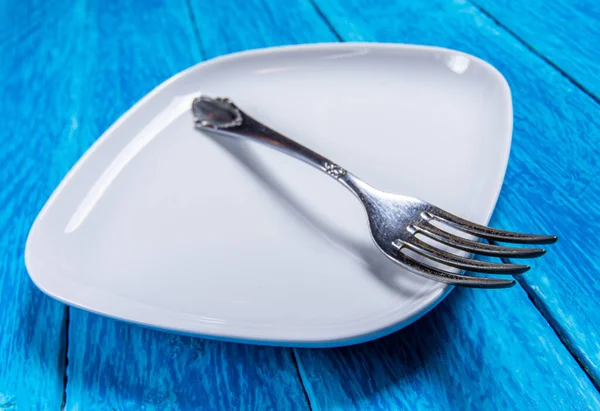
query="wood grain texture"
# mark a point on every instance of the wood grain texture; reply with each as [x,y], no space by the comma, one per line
[475,351]
[564,32]
[118,366]
[552,180]
[229,26]
[568,286]
[38,44]
[132,47]
[479,349]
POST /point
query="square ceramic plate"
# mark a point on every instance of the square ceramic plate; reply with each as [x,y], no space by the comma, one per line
[161,225]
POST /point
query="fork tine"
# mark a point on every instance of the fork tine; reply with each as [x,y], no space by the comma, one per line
[431,231]
[452,278]
[456,261]
[487,232]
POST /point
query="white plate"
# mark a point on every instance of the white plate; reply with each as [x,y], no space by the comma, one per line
[161,225]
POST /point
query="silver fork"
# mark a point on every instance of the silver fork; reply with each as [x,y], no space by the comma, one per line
[394,220]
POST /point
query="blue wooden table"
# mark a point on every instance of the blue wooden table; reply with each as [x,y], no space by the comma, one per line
[68,69]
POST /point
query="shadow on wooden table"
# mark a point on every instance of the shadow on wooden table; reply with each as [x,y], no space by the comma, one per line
[120,365]
[394,368]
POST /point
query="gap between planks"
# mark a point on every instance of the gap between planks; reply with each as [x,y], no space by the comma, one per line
[326,21]
[536,52]
[194,23]
[300,377]
[65,354]
[553,324]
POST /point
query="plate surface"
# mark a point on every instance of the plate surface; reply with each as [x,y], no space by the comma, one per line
[171,228]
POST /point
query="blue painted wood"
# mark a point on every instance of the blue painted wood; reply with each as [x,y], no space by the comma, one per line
[230,26]
[475,351]
[38,50]
[552,179]
[114,365]
[565,32]
[568,287]
[131,48]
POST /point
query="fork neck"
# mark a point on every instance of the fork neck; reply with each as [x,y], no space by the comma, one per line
[363,191]
[265,135]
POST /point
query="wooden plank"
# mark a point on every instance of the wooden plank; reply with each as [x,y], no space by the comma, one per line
[132,48]
[565,32]
[40,53]
[552,179]
[230,26]
[480,348]
[476,350]
[114,365]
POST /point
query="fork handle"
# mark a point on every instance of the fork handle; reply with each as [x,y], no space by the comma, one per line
[221,115]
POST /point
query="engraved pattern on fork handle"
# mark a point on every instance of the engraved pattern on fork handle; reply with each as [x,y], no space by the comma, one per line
[334,170]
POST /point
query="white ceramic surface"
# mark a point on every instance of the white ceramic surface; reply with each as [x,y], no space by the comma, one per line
[164,226]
